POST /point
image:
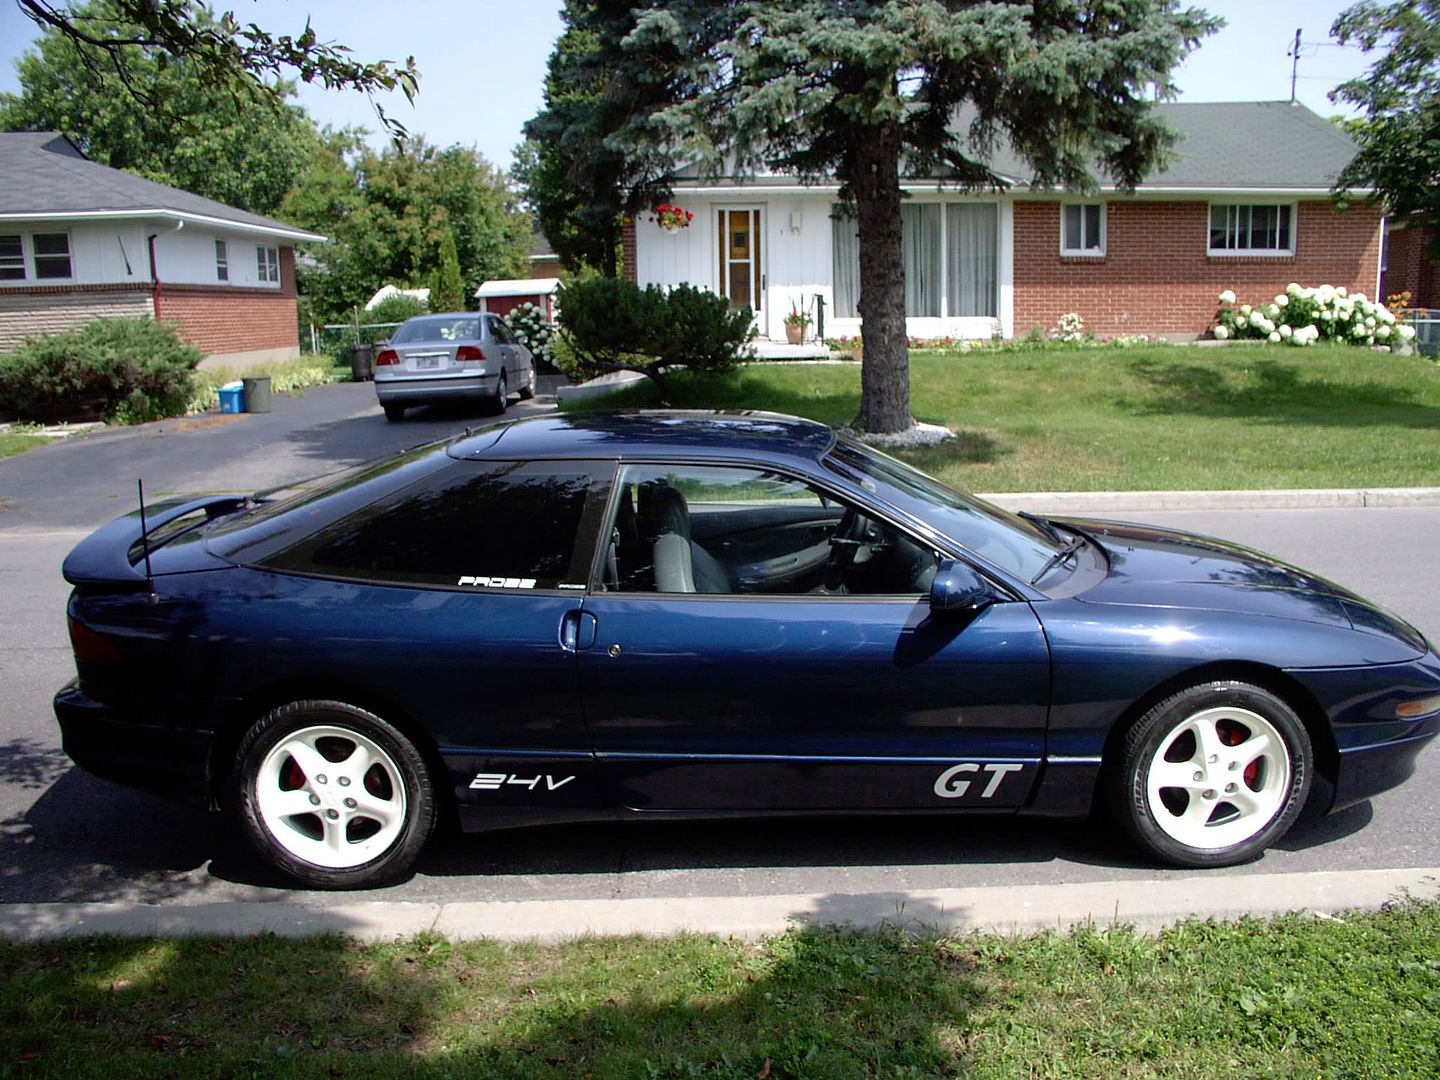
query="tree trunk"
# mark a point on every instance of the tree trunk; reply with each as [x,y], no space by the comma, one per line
[885,369]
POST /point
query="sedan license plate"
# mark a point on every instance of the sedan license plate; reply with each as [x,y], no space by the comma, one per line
[426,363]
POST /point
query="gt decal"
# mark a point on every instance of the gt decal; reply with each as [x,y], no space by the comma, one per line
[950,785]
[494,781]
[497,582]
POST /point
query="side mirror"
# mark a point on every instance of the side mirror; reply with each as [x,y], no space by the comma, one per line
[958,588]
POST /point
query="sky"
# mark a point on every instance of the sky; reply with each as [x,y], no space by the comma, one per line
[482,62]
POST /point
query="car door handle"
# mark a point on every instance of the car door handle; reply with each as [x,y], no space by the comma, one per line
[577,631]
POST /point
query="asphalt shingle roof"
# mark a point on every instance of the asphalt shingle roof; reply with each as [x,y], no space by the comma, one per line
[1248,146]
[42,173]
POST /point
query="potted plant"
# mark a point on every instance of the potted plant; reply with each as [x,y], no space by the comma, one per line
[795,324]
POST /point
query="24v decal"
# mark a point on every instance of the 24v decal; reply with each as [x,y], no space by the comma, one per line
[487,781]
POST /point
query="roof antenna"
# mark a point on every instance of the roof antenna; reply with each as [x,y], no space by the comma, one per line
[1294,64]
[145,543]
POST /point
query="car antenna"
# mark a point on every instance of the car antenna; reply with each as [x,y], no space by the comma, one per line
[145,543]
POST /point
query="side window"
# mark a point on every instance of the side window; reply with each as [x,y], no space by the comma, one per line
[490,525]
[12,257]
[728,530]
[267,264]
[222,261]
[52,255]
[500,332]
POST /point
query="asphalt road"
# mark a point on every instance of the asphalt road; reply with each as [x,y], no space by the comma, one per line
[65,836]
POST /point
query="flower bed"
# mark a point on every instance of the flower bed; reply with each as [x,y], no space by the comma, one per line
[1302,316]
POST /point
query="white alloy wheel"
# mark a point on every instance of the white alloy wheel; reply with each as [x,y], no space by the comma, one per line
[331,796]
[1212,775]
[1218,778]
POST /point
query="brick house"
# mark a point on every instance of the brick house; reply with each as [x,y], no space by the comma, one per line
[80,240]
[1244,205]
[1407,264]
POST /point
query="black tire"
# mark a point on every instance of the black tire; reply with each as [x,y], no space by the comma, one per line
[1241,762]
[502,396]
[394,413]
[302,755]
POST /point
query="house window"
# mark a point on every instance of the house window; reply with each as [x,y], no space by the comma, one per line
[1245,229]
[222,261]
[269,264]
[51,252]
[12,258]
[1082,229]
[950,254]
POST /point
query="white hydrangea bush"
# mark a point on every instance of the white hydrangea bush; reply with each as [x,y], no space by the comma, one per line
[530,327]
[1302,316]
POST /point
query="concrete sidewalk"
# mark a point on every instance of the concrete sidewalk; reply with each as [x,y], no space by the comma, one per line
[1147,905]
[1110,502]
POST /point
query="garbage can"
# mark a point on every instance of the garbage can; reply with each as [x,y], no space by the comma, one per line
[257,393]
[362,362]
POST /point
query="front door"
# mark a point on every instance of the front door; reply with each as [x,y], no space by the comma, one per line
[742,274]
[760,644]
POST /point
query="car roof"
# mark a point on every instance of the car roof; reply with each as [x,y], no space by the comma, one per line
[650,433]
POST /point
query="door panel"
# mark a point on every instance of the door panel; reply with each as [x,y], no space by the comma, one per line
[736,702]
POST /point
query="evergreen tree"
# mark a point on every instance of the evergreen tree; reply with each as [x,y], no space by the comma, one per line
[867,91]
[447,293]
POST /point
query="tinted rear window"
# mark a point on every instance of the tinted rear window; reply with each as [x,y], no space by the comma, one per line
[490,524]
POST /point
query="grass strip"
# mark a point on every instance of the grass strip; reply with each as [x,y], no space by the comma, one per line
[1244,416]
[1295,996]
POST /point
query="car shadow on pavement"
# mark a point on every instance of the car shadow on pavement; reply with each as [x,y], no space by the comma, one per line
[125,845]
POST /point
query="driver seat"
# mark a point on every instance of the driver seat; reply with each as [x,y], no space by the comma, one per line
[680,564]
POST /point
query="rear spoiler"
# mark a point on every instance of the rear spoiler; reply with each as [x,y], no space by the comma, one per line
[104,557]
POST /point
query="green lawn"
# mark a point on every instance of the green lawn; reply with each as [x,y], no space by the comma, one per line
[1148,417]
[11,444]
[1293,997]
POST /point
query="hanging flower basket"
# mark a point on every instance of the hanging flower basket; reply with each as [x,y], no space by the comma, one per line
[671,218]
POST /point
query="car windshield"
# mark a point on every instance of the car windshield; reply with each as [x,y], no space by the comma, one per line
[1005,539]
[443,328]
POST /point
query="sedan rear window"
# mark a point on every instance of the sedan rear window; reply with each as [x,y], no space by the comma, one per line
[437,329]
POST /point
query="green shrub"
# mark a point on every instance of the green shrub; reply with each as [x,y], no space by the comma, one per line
[394,309]
[126,370]
[614,325]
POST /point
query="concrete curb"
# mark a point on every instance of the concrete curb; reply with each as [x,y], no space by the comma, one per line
[1110,502]
[1146,904]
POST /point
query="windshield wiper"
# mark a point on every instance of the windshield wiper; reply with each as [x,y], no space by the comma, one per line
[1041,524]
[1074,544]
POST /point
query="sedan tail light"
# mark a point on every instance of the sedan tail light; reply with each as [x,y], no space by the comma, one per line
[469,354]
[387,357]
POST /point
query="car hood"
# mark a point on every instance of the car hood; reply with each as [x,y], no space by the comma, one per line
[1153,567]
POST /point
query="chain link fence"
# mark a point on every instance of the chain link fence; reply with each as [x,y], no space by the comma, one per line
[1426,322]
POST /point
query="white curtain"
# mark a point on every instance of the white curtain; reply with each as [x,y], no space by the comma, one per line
[920,250]
[971,269]
[845,242]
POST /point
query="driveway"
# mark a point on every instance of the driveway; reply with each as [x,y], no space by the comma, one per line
[86,481]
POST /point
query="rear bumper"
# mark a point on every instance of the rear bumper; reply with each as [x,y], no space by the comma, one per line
[418,391]
[165,761]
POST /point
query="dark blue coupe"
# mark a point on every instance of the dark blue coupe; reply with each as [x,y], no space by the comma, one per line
[582,617]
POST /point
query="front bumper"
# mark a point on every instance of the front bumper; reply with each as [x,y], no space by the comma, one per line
[168,761]
[403,390]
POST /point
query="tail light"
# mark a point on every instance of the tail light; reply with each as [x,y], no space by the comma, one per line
[387,357]
[469,354]
[92,648]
